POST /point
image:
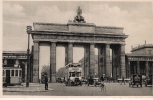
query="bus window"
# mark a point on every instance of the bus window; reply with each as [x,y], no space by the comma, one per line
[12,72]
[4,73]
[72,74]
[16,72]
[78,74]
[19,72]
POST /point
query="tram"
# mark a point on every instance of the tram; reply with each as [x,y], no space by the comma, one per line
[12,76]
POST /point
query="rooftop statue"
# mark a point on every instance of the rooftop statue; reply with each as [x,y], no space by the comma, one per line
[79,18]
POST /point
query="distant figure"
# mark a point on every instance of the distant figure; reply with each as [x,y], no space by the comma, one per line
[46,82]
[102,78]
[122,80]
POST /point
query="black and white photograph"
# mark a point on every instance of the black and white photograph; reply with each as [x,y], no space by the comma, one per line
[77,48]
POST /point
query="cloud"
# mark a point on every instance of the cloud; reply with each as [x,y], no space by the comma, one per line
[134,22]
[52,14]
[13,11]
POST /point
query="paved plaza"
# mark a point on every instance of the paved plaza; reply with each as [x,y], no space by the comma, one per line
[59,89]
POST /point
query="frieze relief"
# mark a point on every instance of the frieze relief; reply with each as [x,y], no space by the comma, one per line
[140,59]
[81,38]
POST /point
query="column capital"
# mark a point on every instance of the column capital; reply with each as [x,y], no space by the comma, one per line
[107,43]
[53,41]
[36,41]
[92,43]
[70,42]
[122,44]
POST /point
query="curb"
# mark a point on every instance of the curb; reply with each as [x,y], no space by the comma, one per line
[28,90]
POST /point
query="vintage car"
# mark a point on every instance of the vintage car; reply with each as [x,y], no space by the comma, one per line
[148,80]
[135,79]
[59,80]
[93,81]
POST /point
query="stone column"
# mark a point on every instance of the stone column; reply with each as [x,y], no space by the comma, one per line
[129,69]
[66,54]
[115,61]
[53,62]
[86,60]
[70,52]
[36,62]
[135,71]
[101,52]
[147,68]
[138,67]
[92,60]
[123,70]
[5,61]
[107,60]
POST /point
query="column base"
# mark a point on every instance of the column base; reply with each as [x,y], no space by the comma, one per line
[53,79]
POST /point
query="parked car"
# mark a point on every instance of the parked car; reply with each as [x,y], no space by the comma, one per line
[59,80]
[136,79]
[84,81]
[94,81]
[148,80]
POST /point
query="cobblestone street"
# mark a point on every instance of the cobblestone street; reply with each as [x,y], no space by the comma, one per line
[112,89]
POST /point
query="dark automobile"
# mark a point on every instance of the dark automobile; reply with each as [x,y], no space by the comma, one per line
[136,79]
[148,80]
[93,81]
[59,80]
[84,81]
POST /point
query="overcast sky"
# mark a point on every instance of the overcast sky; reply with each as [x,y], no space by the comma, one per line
[135,17]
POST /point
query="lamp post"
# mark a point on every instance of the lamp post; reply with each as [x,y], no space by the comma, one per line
[29,29]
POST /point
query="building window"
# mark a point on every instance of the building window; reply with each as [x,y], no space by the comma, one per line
[12,72]
[149,52]
[16,72]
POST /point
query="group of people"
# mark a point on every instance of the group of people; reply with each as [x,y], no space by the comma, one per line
[103,78]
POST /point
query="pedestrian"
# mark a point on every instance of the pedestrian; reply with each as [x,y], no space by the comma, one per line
[46,82]
[122,80]
[102,78]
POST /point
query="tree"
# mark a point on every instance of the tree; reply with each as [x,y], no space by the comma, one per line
[46,69]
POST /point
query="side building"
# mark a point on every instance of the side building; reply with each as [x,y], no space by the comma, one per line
[140,60]
[17,59]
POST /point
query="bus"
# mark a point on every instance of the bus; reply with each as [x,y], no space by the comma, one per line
[73,74]
[12,76]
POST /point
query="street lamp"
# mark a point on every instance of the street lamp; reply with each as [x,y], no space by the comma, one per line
[29,29]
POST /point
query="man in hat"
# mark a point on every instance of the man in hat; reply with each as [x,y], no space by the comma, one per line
[46,82]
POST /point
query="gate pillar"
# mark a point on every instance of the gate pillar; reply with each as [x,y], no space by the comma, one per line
[123,72]
[86,60]
[36,62]
[70,52]
[92,60]
[53,62]
[107,60]
[101,68]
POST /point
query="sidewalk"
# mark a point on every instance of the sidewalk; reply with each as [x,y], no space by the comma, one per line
[33,87]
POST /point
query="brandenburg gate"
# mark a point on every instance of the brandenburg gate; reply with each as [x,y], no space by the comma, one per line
[88,35]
